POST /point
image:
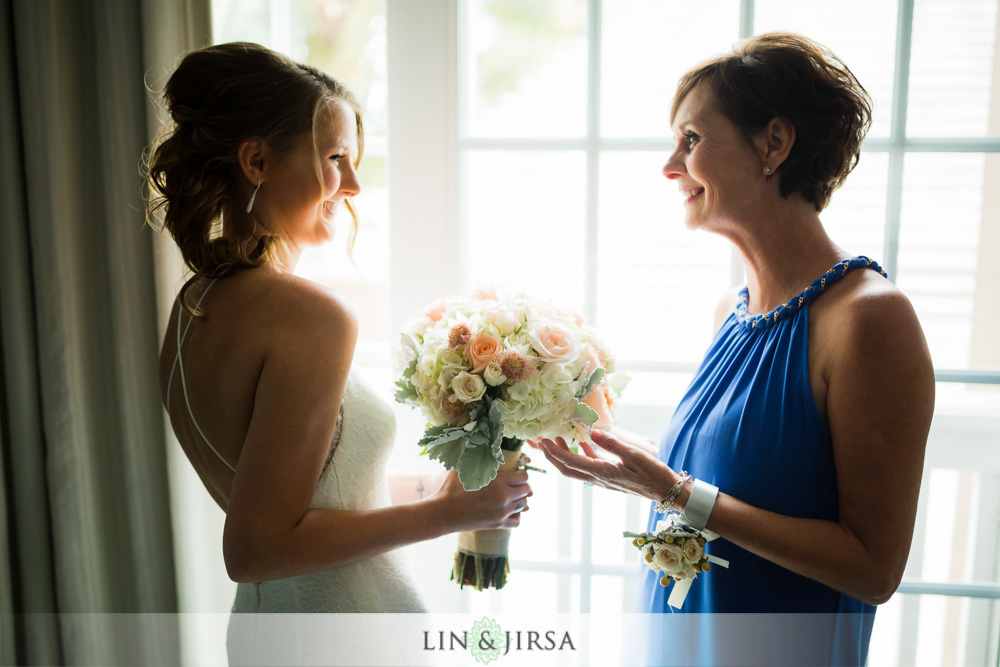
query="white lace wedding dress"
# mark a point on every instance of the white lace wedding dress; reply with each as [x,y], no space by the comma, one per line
[354,479]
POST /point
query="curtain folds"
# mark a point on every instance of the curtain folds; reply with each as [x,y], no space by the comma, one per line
[85,525]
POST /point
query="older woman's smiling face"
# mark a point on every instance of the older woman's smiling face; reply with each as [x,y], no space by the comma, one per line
[715,169]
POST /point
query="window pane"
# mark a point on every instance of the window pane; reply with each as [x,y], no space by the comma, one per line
[860,32]
[610,518]
[646,45]
[953,69]
[931,630]
[954,550]
[654,274]
[242,21]
[947,242]
[855,218]
[525,68]
[525,223]
[550,531]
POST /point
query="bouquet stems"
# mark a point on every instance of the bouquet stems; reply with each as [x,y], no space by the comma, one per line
[481,559]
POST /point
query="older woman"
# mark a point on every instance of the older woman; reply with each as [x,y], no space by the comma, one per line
[804,427]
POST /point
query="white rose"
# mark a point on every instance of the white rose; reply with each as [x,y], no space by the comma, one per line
[468,387]
[493,375]
[691,551]
[668,559]
[418,326]
[554,342]
[505,318]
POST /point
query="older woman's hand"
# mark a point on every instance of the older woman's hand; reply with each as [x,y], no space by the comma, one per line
[632,470]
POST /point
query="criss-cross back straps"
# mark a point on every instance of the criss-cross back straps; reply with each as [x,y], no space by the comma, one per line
[179,363]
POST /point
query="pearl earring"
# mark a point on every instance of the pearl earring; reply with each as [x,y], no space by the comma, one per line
[767,170]
[253,196]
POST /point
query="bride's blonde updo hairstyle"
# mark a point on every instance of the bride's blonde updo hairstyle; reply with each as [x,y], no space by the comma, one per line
[218,97]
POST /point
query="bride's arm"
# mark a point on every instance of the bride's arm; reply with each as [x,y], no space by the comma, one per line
[409,487]
[270,531]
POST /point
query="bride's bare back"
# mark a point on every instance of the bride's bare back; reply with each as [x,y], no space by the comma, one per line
[222,357]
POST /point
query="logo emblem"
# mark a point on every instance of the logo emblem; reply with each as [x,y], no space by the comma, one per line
[487,641]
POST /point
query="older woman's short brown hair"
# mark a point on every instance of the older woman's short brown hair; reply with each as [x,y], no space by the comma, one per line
[792,77]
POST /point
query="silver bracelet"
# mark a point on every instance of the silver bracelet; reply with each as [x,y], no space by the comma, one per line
[700,504]
[663,506]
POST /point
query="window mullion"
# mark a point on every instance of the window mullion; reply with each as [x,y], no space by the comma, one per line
[746,18]
[897,137]
[737,271]
[423,184]
[590,275]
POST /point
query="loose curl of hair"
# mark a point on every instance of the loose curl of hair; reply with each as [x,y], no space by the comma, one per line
[792,77]
[218,97]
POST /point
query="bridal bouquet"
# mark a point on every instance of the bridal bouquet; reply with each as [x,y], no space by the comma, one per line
[677,551]
[489,372]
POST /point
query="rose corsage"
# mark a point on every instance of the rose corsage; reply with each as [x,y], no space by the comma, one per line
[676,550]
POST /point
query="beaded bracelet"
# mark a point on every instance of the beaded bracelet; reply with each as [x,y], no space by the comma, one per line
[663,506]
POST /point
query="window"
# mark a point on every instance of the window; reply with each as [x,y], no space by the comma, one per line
[520,143]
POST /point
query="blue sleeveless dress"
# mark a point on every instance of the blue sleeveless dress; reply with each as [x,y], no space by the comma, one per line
[749,425]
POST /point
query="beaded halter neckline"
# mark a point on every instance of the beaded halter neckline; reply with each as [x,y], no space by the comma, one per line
[808,295]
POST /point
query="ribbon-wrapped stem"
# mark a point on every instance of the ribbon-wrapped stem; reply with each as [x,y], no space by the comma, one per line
[481,559]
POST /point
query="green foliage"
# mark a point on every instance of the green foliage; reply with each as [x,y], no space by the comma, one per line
[584,413]
[474,449]
[589,381]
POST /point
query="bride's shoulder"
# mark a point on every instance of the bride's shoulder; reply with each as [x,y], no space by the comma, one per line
[289,305]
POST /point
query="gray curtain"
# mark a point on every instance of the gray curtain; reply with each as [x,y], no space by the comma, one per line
[85,527]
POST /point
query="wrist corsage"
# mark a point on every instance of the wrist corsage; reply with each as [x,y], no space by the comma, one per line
[677,551]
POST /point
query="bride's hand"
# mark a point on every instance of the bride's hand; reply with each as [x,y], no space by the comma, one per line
[632,470]
[497,505]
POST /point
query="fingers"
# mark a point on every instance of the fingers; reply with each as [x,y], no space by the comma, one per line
[555,452]
[610,443]
[588,450]
[513,477]
[557,460]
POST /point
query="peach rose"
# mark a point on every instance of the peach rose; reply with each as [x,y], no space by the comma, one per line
[592,357]
[599,401]
[481,351]
[555,343]
[435,309]
[487,292]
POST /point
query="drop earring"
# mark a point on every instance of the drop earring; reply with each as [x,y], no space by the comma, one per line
[253,196]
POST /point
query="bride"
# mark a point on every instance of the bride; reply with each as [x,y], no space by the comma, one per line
[255,369]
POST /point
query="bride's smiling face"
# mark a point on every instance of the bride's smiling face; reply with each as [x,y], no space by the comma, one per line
[303,203]
[713,165]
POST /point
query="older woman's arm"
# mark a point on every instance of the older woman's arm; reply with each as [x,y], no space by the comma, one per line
[879,406]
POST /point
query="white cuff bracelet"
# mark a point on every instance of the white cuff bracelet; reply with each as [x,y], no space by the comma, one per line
[700,504]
